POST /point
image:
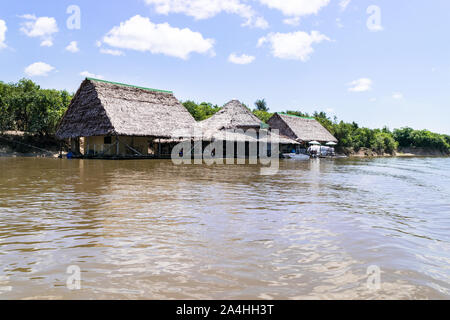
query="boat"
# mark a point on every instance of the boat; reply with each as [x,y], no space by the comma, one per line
[295,156]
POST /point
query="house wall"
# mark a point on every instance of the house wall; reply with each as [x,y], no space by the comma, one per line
[96,145]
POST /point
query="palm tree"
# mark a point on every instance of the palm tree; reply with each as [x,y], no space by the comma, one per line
[261,105]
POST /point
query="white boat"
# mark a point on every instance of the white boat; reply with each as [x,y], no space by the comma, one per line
[295,156]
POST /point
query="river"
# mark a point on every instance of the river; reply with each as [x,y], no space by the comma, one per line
[153,230]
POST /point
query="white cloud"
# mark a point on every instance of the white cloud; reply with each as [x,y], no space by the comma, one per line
[296,8]
[73,47]
[344,4]
[292,21]
[87,74]
[205,9]
[38,69]
[42,27]
[140,34]
[47,43]
[112,52]
[339,23]
[242,59]
[397,96]
[258,22]
[3,30]
[294,45]
[361,85]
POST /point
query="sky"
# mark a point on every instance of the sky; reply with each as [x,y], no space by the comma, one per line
[376,62]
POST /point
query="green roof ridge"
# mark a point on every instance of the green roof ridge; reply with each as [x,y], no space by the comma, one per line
[293,115]
[129,85]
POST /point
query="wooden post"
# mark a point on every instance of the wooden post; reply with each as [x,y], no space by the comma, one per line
[159,148]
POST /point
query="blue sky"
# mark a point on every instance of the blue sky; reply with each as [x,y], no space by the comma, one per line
[378,62]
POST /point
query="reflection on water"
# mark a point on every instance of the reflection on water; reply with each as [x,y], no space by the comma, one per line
[152,230]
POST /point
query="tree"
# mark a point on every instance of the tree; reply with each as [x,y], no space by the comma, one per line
[201,111]
[24,106]
[264,116]
[261,105]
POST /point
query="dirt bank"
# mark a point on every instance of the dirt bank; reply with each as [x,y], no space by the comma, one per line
[402,152]
[421,152]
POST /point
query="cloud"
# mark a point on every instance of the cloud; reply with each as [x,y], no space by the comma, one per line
[205,9]
[344,4]
[242,59]
[73,47]
[361,85]
[87,74]
[397,96]
[43,28]
[292,21]
[296,8]
[38,69]
[140,34]
[112,52]
[339,23]
[3,30]
[294,45]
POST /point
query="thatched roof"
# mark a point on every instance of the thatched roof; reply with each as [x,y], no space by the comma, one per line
[234,115]
[300,128]
[230,121]
[105,108]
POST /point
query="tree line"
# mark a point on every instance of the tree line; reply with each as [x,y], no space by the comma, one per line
[25,106]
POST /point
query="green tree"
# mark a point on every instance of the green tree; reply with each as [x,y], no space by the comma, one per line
[24,106]
[201,111]
[261,105]
[264,116]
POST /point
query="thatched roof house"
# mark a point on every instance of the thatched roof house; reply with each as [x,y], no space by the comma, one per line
[234,116]
[102,108]
[300,129]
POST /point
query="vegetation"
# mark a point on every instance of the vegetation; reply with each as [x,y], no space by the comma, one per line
[408,137]
[201,111]
[24,106]
[352,137]
[261,105]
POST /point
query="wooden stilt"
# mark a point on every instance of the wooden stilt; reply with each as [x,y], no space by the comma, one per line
[159,148]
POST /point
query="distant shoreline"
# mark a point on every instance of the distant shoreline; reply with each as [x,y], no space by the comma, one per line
[14,144]
[400,153]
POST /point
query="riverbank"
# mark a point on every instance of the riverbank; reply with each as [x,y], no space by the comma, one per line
[19,144]
[401,152]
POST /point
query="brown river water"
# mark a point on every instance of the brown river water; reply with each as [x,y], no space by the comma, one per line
[152,230]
